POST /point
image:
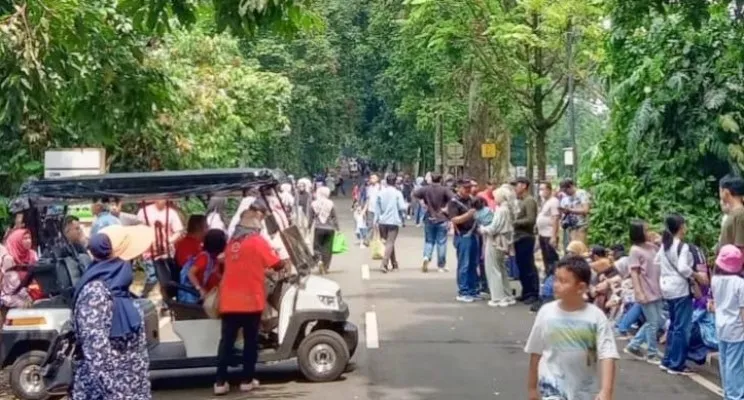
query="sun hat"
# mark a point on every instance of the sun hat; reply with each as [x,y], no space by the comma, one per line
[730,259]
[129,242]
[578,248]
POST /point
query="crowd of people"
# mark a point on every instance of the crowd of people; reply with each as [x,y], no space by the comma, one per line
[661,289]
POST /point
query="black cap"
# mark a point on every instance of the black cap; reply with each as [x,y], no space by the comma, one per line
[523,180]
[464,182]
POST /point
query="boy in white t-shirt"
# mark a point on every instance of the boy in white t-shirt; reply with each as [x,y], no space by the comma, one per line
[569,339]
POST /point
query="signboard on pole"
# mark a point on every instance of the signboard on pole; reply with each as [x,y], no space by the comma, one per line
[455,155]
[488,150]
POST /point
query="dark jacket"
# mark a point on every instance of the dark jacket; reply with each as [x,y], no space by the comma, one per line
[436,197]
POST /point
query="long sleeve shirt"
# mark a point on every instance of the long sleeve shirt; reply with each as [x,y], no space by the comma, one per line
[524,224]
[388,206]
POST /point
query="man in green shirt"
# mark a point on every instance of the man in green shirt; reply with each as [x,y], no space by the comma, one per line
[524,241]
[731,190]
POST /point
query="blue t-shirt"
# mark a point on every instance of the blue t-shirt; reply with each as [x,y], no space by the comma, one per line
[484,216]
[103,220]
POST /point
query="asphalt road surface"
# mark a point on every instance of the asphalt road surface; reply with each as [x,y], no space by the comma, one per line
[428,346]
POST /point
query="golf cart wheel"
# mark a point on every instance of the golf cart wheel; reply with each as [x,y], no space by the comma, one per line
[323,356]
[26,382]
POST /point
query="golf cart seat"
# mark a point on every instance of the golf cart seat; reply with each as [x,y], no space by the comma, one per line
[179,311]
[57,278]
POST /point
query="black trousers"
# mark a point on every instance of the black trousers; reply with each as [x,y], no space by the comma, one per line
[525,258]
[323,245]
[231,325]
[549,254]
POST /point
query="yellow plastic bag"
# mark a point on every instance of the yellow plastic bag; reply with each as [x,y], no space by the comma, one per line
[376,246]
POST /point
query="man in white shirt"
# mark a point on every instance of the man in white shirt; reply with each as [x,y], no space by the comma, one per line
[548,221]
[168,227]
[574,206]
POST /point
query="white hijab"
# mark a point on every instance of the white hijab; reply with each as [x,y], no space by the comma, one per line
[322,205]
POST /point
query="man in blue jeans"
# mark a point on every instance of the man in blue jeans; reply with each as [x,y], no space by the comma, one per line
[435,198]
[461,212]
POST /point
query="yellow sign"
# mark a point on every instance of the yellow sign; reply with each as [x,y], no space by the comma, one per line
[488,150]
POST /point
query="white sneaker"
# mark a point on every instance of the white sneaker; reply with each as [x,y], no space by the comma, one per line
[492,303]
[506,303]
[443,269]
[247,387]
[362,246]
[464,299]
[509,301]
[221,390]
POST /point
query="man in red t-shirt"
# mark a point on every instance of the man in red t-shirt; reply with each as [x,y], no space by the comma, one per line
[191,244]
[248,258]
[487,194]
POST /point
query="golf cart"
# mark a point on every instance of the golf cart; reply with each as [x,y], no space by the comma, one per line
[311,322]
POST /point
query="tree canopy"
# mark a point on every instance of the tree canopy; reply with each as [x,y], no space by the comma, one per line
[161,84]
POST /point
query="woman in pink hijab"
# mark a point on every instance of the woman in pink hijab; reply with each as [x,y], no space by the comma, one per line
[19,245]
[15,257]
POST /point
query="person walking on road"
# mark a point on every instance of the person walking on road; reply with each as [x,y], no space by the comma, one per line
[325,226]
[462,214]
[435,198]
[524,242]
[499,235]
[570,340]
[372,190]
[389,218]
[548,226]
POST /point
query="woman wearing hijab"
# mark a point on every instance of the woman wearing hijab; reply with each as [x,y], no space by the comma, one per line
[302,211]
[216,213]
[109,326]
[499,239]
[286,197]
[19,246]
[325,223]
[11,294]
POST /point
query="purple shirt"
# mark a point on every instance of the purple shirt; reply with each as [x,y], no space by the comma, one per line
[642,257]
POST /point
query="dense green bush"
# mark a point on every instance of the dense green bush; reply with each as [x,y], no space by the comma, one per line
[677,96]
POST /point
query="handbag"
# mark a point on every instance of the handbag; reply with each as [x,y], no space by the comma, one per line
[339,243]
[695,291]
[376,246]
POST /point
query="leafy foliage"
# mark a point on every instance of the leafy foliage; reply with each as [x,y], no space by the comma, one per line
[677,93]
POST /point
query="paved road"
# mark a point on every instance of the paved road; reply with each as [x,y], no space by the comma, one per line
[430,348]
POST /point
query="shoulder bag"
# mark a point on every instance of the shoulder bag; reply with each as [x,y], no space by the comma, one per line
[695,291]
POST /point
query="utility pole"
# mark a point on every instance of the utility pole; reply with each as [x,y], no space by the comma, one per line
[571,102]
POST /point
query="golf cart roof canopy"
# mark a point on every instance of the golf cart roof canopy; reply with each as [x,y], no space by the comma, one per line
[139,186]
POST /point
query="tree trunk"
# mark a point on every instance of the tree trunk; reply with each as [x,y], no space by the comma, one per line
[502,138]
[530,144]
[540,153]
[478,129]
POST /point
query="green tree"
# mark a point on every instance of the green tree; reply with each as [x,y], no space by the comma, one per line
[676,91]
